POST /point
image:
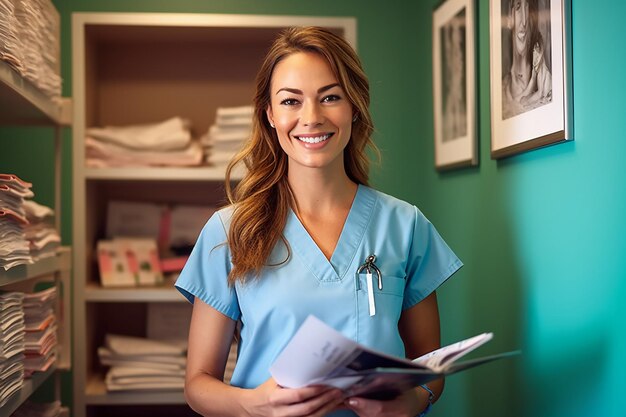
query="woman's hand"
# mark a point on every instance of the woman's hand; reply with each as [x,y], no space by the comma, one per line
[405,405]
[271,400]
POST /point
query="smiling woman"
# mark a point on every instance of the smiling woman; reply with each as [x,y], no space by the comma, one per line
[313,122]
[294,239]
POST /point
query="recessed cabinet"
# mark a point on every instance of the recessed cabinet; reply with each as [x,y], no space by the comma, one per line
[137,68]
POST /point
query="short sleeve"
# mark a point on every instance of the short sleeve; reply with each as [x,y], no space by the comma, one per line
[205,274]
[431,262]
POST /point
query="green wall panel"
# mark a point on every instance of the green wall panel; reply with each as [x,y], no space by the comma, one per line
[542,235]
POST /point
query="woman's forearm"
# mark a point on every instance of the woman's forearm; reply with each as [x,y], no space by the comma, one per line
[209,396]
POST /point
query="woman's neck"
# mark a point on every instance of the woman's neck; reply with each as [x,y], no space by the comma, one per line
[318,192]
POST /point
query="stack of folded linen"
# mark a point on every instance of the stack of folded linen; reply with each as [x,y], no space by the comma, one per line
[10,50]
[14,248]
[43,238]
[11,344]
[41,331]
[39,29]
[232,127]
[30,44]
[166,143]
[139,364]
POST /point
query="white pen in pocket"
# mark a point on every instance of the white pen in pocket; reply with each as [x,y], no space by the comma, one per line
[370,293]
[368,266]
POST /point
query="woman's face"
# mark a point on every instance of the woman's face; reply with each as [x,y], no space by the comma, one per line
[521,30]
[310,111]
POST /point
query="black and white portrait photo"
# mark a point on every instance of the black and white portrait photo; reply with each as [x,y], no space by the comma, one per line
[526,56]
[531,74]
[454,84]
[454,98]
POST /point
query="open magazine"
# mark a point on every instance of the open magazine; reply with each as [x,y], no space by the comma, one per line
[319,355]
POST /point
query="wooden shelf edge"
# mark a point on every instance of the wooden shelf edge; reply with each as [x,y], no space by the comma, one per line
[25,103]
[22,273]
[206,173]
[96,294]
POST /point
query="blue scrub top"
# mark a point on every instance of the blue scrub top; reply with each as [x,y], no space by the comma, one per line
[412,257]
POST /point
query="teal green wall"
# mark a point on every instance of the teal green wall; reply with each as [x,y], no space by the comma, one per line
[542,234]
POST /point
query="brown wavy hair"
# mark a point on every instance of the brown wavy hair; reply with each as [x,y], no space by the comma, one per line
[262,199]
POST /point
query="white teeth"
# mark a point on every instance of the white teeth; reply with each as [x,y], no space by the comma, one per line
[313,139]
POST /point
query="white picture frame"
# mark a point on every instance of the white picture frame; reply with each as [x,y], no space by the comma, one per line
[454,85]
[530,79]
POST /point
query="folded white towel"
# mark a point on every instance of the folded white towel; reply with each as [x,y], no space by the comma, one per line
[102,155]
[235,111]
[167,135]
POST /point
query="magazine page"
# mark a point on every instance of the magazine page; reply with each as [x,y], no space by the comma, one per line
[318,354]
[315,352]
[439,359]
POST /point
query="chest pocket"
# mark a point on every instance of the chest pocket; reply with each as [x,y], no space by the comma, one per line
[387,300]
[380,331]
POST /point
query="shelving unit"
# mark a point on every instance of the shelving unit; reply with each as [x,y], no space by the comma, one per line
[132,68]
[23,104]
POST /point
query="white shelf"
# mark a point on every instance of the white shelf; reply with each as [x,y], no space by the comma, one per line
[23,103]
[97,294]
[22,273]
[160,174]
[96,394]
[30,386]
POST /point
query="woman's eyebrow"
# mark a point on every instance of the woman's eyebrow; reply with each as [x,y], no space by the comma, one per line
[320,90]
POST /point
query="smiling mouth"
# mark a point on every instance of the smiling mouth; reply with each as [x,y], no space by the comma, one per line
[314,139]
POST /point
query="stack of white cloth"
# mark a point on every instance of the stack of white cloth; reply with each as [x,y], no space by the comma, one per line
[42,236]
[232,127]
[14,247]
[166,143]
[30,44]
[40,341]
[10,50]
[11,344]
[139,364]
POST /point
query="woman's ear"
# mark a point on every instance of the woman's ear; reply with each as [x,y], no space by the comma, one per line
[270,118]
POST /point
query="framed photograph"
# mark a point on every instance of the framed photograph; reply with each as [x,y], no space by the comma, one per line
[454,84]
[530,53]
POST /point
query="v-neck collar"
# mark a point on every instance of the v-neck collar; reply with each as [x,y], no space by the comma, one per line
[303,245]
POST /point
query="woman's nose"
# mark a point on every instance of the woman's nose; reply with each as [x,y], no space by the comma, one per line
[312,115]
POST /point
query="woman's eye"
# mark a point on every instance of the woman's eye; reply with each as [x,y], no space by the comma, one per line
[289,102]
[332,97]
